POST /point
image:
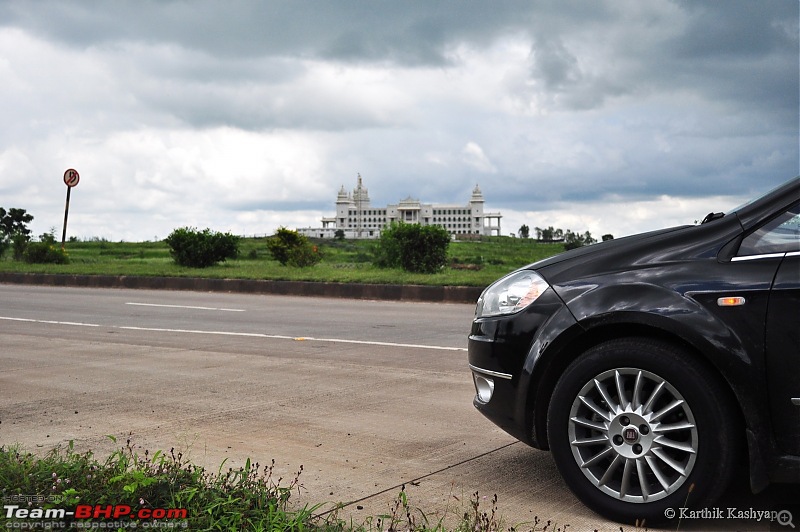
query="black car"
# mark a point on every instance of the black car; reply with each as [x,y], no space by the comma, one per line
[654,365]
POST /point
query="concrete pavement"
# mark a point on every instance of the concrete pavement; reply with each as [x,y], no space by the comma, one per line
[365,395]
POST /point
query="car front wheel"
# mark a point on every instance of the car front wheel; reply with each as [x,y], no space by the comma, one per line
[638,427]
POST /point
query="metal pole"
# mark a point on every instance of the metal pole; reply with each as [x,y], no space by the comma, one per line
[66,213]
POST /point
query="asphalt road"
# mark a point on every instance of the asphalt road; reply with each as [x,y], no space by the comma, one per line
[365,395]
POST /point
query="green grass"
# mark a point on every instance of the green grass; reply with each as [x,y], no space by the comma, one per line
[471,263]
[243,499]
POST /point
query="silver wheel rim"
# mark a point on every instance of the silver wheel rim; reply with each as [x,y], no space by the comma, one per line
[633,435]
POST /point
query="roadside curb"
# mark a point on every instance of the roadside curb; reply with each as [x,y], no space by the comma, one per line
[386,292]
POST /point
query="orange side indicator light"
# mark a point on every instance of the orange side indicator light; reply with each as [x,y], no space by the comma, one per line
[731,301]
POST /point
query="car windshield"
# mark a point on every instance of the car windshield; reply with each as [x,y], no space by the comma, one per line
[745,204]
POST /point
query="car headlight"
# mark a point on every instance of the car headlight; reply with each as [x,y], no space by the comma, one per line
[511,294]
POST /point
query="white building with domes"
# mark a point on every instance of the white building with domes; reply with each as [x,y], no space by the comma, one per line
[357,218]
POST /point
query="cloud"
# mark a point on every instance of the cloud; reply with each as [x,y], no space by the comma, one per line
[255,112]
[473,156]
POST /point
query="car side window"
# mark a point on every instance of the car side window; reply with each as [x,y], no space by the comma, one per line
[780,235]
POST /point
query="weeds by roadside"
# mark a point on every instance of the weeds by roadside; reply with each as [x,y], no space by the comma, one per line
[249,498]
[403,517]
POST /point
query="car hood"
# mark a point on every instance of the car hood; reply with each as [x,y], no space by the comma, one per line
[609,246]
[640,251]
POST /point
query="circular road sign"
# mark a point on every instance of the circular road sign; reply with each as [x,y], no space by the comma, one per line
[71,177]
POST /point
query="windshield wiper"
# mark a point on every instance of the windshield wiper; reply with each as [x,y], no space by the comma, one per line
[712,216]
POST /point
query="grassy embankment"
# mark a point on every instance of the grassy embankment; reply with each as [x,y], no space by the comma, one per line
[471,263]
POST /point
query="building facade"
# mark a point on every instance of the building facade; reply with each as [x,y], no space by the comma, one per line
[357,218]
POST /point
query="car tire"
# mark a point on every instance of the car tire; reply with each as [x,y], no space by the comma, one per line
[639,428]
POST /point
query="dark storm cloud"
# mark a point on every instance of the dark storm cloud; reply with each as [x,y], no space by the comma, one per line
[405,32]
[733,50]
[538,102]
[742,51]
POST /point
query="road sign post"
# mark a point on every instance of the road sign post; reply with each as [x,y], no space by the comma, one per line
[71,179]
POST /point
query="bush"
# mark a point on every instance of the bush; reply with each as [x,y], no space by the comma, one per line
[200,249]
[44,253]
[18,243]
[413,247]
[291,248]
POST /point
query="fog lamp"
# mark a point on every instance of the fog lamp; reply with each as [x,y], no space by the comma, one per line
[484,386]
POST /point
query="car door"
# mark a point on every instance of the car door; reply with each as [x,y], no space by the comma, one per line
[780,239]
[783,353]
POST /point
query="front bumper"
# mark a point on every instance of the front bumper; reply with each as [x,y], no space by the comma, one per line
[502,357]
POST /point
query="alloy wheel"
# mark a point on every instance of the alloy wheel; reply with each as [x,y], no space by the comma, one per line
[633,435]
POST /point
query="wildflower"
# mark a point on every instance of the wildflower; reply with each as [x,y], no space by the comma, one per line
[55,476]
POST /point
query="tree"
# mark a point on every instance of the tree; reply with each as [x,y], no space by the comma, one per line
[575,240]
[524,231]
[571,240]
[14,221]
[339,234]
[14,228]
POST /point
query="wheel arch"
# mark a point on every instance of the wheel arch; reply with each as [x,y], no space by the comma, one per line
[553,361]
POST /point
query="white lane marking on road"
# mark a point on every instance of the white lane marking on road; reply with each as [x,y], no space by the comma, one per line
[194,331]
[387,344]
[297,338]
[185,307]
[245,334]
[51,322]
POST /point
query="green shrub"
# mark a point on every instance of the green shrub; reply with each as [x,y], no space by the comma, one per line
[18,243]
[200,249]
[413,247]
[293,249]
[44,253]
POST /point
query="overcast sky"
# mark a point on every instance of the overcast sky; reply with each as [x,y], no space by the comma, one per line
[613,116]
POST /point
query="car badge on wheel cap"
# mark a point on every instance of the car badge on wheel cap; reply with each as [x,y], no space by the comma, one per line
[630,435]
